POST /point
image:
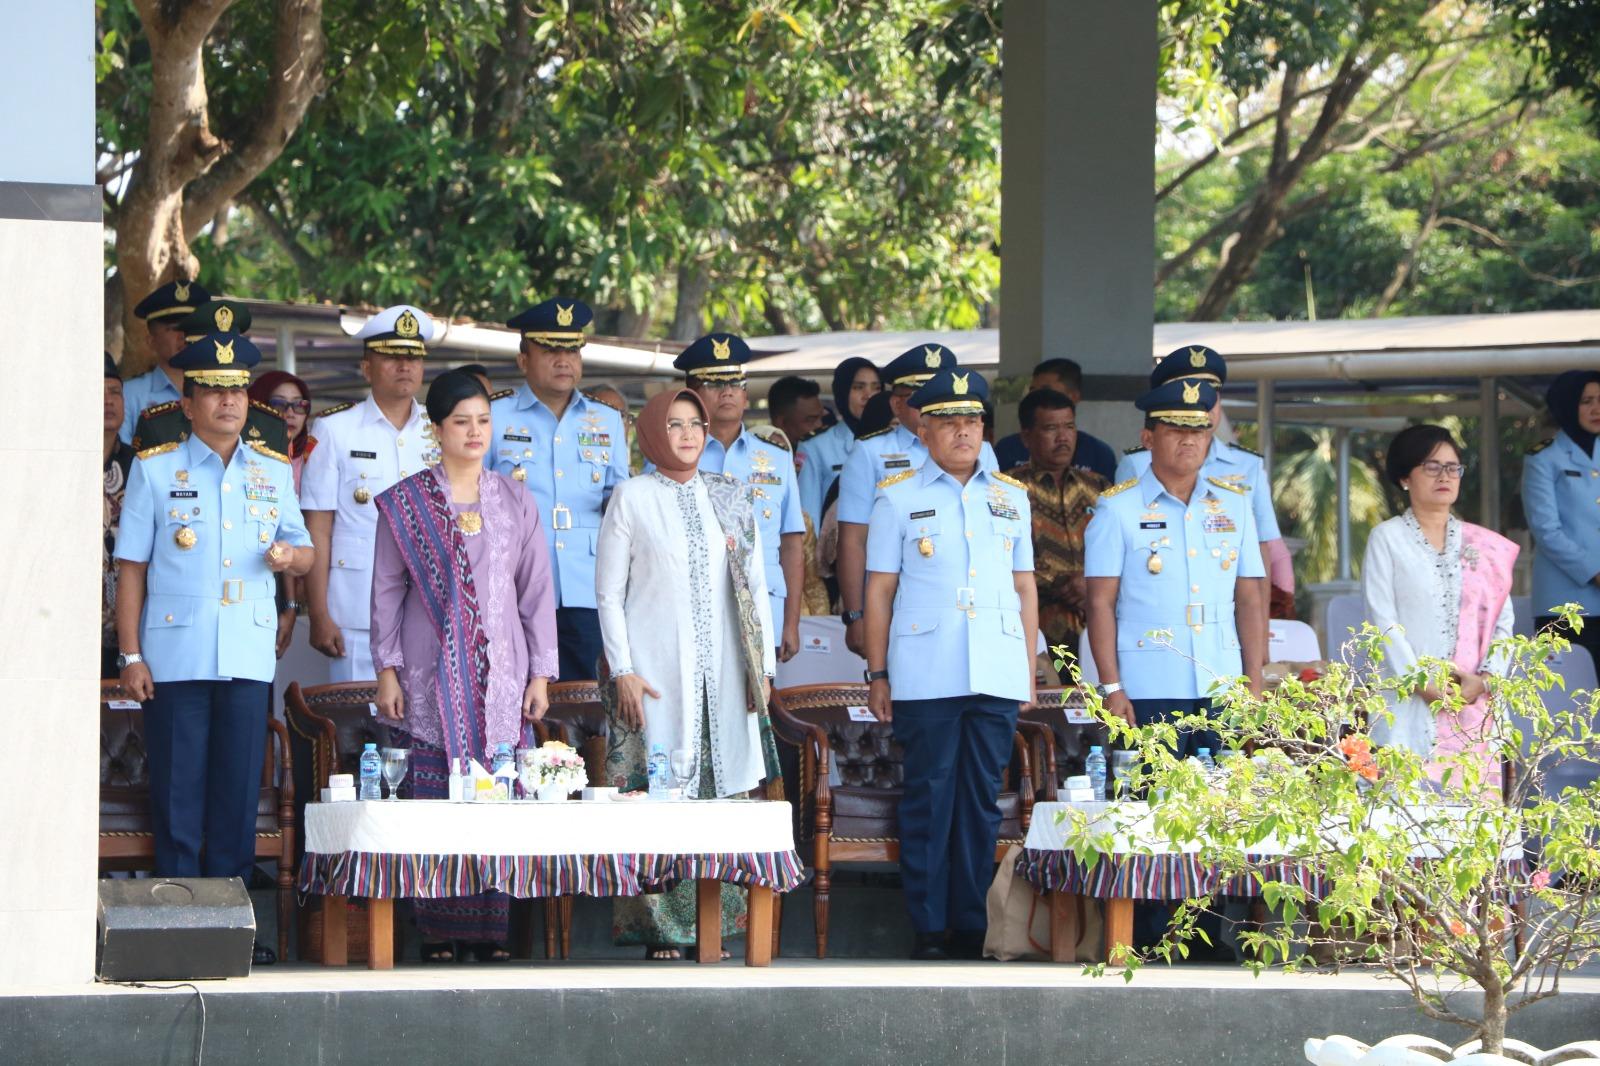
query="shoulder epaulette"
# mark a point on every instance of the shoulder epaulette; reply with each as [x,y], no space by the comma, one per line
[335,409]
[159,449]
[267,409]
[773,436]
[819,431]
[1121,486]
[1249,451]
[1541,446]
[875,433]
[895,479]
[270,453]
[503,393]
[1008,479]
[1230,486]
[1133,451]
[161,409]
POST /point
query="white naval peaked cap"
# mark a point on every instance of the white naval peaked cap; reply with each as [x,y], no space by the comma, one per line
[404,322]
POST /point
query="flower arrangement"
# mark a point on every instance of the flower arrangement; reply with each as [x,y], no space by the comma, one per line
[555,766]
[1446,870]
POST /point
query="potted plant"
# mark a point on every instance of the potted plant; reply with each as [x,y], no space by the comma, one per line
[1459,872]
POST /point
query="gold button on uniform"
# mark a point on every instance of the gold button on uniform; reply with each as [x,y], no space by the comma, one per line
[226,487]
[558,440]
[169,618]
[341,562]
[972,573]
[559,472]
[226,524]
[969,534]
[1194,588]
[1191,553]
[399,442]
[227,562]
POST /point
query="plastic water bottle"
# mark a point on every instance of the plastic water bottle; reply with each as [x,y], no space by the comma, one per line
[371,773]
[456,781]
[1095,767]
[660,785]
[502,758]
[1203,756]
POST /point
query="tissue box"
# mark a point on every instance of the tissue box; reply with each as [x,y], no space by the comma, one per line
[341,780]
[341,794]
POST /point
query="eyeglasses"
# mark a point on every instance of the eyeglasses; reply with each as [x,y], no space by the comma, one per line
[725,386]
[680,427]
[278,403]
[1437,469]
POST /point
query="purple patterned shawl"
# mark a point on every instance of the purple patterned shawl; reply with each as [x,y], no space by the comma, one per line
[418,512]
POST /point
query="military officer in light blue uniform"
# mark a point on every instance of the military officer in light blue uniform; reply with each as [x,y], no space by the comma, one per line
[570,451]
[1561,496]
[206,525]
[1225,461]
[1171,560]
[952,616]
[713,367]
[875,457]
[162,312]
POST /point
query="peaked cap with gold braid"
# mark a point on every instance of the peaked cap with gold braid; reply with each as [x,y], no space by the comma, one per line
[218,360]
[557,323]
[716,358]
[952,392]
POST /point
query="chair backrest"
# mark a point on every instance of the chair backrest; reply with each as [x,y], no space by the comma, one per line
[337,720]
[1293,641]
[123,762]
[578,717]
[864,753]
[823,657]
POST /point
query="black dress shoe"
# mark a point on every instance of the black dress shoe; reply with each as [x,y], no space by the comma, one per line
[966,944]
[262,955]
[929,947]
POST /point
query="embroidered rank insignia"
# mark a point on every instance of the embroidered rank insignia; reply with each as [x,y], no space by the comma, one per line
[895,479]
[1119,487]
[1230,486]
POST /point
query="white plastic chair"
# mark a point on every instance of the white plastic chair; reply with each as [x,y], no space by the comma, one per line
[1293,642]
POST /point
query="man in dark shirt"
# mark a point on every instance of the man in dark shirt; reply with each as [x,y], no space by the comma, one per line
[1066,377]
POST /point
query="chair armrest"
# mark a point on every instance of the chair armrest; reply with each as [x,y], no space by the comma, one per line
[1044,748]
[280,740]
[1019,745]
[812,740]
[305,720]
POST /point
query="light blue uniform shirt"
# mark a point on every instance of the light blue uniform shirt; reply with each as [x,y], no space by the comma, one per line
[209,609]
[1175,628]
[881,455]
[148,389]
[774,495]
[822,459]
[1225,462]
[957,626]
[570,465]
[1561,497]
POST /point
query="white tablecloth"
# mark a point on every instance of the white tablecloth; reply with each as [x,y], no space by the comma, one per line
[432,849]
[438,827]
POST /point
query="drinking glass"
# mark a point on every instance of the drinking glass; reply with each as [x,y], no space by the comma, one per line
[395,763]
[1122,767]
[684,761]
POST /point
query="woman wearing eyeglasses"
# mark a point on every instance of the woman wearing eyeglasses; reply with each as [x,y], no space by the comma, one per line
[1440,588]
[686,624]
[291,398]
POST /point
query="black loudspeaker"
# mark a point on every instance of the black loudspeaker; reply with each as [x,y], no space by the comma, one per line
[174,929]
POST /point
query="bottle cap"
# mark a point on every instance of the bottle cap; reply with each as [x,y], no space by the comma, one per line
[370,747]
[1095,747]
[1205,751]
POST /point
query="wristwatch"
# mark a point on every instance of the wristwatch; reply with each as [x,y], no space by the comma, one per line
[851,617]
[1106,690]
[127,659]
[876,675]
[293,605]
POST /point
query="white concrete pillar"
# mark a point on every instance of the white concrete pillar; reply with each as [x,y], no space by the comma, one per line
[50,416]
[1078,223]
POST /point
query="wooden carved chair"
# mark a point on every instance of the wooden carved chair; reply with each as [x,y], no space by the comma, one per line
[847,798]
[127,837]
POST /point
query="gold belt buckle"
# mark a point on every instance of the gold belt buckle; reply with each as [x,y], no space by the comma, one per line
[238,597]
[1194,614]
[556,514]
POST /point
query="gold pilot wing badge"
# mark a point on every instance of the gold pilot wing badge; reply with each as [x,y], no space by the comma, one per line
[721,349]
[224,352]
[958,384]
[930,356]
[564,315]
[1191,392]
[1197,357]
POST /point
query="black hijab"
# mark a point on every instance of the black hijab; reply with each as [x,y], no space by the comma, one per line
[1562,399]
[843,375]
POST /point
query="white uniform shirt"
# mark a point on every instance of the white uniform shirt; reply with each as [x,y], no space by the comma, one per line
[359,453]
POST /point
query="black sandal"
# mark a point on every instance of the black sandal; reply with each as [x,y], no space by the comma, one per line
[438,952]
[490,952]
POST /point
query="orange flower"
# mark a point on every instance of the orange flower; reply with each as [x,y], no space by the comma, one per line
[1358,758]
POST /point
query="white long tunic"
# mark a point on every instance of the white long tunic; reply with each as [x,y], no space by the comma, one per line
[667,612]
[1413,595]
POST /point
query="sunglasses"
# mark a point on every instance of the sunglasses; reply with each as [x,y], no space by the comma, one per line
[278,403]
